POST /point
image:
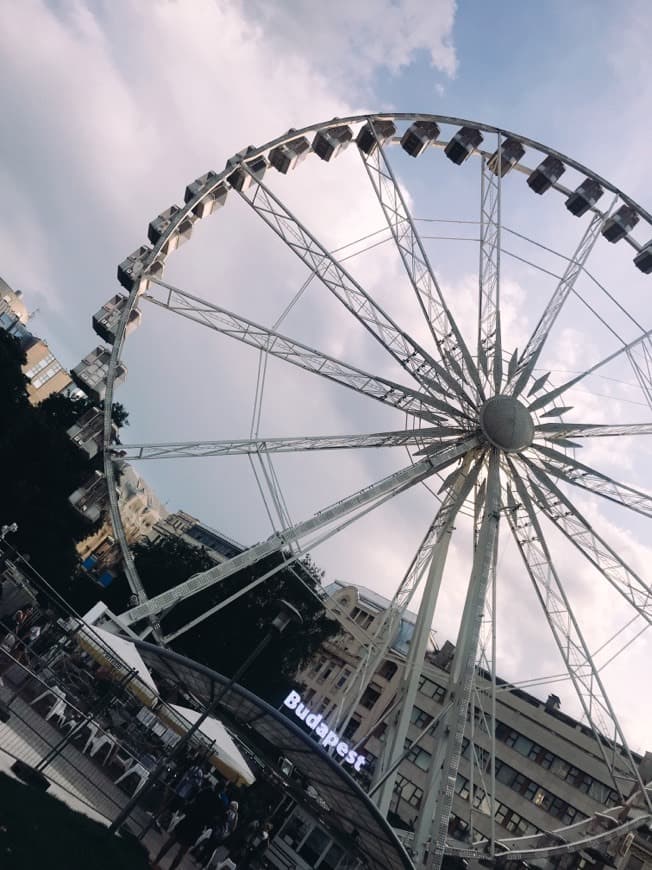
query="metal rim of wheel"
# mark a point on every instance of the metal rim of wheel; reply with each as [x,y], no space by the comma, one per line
[473,406]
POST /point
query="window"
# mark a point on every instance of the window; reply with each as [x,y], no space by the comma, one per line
[419,717]
[420,757]
[370,696]
[361,617]
[506,734]
[325,674]
[541,756]
[387,670]
[462,787]
[40,365]
[343,677]
[351,728]
[408,791]
[431,690]
[314,846]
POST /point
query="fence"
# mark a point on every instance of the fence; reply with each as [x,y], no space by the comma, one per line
[74,715]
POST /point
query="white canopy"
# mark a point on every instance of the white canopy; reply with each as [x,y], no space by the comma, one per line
[121,655]
[225,750]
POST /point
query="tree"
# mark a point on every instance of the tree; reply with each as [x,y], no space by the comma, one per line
[41,467]
[64,411]
[13,383]
[225,639]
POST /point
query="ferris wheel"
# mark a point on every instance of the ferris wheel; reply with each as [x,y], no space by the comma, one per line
[494,428]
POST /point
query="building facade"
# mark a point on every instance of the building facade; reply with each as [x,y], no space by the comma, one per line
[46,375]
[549,771]
[195,533]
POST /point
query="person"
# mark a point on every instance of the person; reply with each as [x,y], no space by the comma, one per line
[200,814]
[255,846]
[221,832]
[185,790]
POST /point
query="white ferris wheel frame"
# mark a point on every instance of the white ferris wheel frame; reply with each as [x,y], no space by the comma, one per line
[453,387]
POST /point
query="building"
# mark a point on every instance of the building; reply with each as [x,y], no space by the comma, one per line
[549,771]
[140,510]
[43,370]
[192,531]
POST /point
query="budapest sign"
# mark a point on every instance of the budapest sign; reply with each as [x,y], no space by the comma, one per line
[328,738]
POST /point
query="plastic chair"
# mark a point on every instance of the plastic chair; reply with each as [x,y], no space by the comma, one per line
[138,770]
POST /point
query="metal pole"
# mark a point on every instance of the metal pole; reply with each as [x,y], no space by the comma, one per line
[185,740]
[58,748]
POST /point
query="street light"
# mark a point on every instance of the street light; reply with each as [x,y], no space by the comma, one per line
[286,615]
[13,527]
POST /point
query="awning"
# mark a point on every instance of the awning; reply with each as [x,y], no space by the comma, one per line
[226,756]
[120,656]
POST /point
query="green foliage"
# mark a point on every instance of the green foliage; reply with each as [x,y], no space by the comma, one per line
[62,411]
[225,639]
[41,467]
[13,383]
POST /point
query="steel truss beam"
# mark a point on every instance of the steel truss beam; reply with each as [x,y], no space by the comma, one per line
[405,350]
[575,265]
[559,391]
[445,332]
[567,634]
[280,346]
[551,431]
[441,778]
[569,520]
[640,359]
[391,485]
[571,471]
[194,449]
[490,351]
[437,542]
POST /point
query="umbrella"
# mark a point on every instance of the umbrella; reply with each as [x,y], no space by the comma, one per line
[226,756]
[120,656]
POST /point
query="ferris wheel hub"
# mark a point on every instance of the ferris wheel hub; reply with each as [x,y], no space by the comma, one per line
[507,423]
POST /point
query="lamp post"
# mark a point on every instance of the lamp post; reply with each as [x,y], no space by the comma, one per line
[286,615]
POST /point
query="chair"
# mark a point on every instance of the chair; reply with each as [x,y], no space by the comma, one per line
[57,711]
[58,708]
[93,728]
[105,739]
[138,770]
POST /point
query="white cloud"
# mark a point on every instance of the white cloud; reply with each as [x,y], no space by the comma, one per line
[113,110]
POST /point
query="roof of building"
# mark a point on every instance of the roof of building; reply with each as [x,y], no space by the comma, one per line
[14,299]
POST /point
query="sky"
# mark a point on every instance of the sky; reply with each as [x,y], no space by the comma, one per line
[110,109]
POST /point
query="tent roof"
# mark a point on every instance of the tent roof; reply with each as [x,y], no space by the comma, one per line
[124,649]
[225,747]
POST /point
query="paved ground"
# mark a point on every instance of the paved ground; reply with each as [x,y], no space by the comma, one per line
[76,779]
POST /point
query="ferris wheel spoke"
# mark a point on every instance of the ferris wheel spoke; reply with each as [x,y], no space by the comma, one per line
[569,520]
[571,471]
[387,487]
[275,344]
[404,349]
[553,431]
[530,355]
[490,352]
[250,446]
[458,486]
[565,629]
[442,773]
[445,332]
[628,349]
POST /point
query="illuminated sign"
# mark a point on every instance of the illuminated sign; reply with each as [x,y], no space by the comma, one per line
[328,738]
